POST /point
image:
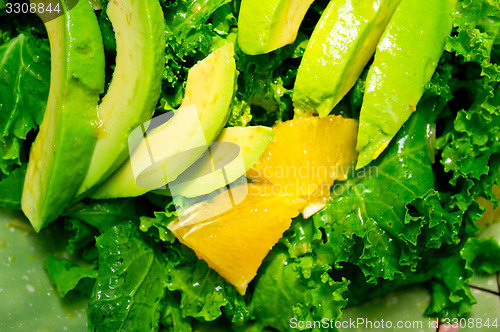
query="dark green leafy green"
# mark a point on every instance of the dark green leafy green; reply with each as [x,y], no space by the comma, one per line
[451,295]
[388,226]
[159,223]
[67,276]
[24,82]
[223,18]
[369,212]
[172,319]
[108,35]
[11,189]
[81,240]
[190,37]
[131,282]
[241,113]
[477,27]
[25,68]
[474,139]
[482,255]
[300,289]
[187,21]
[265,83]
[196,291]
[85,220]
[103,214]
[204,293]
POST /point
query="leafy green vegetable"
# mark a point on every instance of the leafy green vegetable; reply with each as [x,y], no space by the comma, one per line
[203,292]
[265,83]
[451,295]
[108,35]
[241,113]
[159,222]
[11,189]
[187,21]
[468,147]
[189,38]
[370,210]
[103,214]
[172,319]
[68,276]
[131,282]
[24,82]
[85,220]
[290,288]
[394,228]
[224,19]
[195,290]
[482,255]
[477,29]
[82,239]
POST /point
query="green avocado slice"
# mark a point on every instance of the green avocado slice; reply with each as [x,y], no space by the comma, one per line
[231,161]
[341,44]
[406,58]
[210,88]
[133,93]
[59,155]
[266,25]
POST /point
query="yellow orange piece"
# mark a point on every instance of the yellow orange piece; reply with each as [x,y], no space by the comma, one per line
[307,154]
[235,242]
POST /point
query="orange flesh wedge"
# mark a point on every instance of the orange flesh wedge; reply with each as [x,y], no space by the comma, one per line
[235,242]
[307,155]
[293,175]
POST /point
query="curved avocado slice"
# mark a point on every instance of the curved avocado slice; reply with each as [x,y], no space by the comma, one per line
[210,87]
[229,158]
[341,44]
[136,86]
[59,155]
[264,26]
[405,61]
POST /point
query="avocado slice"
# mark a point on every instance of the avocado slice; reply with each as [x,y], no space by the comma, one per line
[341,44]
[230,157]
[405,61]
[133,93]
[266,25]
[177,143]
[59,155]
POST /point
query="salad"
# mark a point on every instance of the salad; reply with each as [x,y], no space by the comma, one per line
[249,165]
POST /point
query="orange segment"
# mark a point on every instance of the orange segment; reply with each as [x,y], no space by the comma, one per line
[307,155]
[235,242]
[294,175]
